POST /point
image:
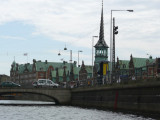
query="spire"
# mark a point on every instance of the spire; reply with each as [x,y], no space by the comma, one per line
[101,42]
[64,75]
[57,76]
[101,33]
[131,63]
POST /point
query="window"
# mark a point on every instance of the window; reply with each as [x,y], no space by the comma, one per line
[124,66]
[41,68]
[49,82]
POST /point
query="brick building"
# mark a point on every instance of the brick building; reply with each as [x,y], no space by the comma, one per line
[25,74]
[4,78]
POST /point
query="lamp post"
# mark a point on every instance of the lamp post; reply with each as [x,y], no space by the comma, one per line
[111,38]
[78,62]
[59,53]
[46,67]
[78,56]
[70,57]
[92,52]
[70,61]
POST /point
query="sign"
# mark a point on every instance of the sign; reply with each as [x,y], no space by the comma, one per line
[105,68]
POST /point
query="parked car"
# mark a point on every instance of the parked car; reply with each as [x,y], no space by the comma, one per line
[45,83]
[9,84]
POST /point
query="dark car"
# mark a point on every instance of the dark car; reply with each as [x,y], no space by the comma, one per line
[9,84]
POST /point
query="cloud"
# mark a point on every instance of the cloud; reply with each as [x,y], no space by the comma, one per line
[62,22]
[12,37]
[74,22]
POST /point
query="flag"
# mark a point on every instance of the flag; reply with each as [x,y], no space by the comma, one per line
[25,54]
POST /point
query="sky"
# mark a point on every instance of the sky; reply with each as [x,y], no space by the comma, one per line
[42,28]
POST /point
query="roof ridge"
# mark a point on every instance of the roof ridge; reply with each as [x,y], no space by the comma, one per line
[144,58]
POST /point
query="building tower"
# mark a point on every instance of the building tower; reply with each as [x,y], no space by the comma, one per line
[101,48]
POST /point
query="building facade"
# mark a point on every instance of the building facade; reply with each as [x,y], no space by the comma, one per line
[25,74]
[4,78]
[141,68]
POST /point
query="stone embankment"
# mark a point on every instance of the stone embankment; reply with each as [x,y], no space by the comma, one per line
[137,96]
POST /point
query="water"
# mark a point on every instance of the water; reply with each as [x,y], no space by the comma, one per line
[59,113]
[24,102]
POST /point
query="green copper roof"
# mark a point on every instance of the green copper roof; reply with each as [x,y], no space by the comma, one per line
[124,64]
[141,62]
[138,62]
[22,67]
[76,70]
[53,73]
[89,69]
[60,71]
[41,66]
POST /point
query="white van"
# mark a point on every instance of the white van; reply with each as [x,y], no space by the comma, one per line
[46,83]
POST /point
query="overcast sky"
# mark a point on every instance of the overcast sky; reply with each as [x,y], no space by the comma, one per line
[42,28]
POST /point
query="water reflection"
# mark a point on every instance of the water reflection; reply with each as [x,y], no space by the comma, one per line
[25,102]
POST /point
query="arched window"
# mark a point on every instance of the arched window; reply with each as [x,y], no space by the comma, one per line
[100,52]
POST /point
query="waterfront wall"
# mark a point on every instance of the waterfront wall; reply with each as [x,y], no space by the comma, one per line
[143,98]
[137,97]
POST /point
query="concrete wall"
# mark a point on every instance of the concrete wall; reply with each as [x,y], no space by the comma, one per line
[135,98]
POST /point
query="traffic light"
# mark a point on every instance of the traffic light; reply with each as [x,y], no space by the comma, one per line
[115,30]
[159,63]
[158,67]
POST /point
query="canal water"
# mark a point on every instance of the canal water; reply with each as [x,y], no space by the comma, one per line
[36,112]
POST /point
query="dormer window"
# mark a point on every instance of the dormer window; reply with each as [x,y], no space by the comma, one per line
[41,68]
[124,66]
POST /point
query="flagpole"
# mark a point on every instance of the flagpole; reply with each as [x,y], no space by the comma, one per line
[26,54]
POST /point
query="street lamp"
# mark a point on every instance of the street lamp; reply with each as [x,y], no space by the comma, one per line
[111,38]
[70,57]
[65,47]
[59,53]
[78,56]
[78,61]
[92,52]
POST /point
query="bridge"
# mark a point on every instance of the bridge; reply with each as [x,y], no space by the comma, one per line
[57,95]
[142,97]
